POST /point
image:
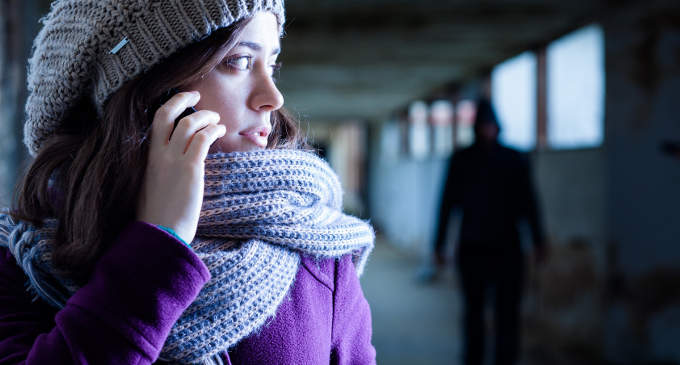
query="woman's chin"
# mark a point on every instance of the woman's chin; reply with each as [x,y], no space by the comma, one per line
[240,145]
[252,148]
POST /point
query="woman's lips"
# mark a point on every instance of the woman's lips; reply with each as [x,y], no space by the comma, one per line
[257,135]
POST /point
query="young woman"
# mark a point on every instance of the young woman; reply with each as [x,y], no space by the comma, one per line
[147,232]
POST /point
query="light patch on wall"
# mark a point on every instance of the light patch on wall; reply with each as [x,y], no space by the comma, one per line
[465,117]
[418,130]
[441,117]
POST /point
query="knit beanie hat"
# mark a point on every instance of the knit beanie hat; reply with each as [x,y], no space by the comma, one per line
[90,48]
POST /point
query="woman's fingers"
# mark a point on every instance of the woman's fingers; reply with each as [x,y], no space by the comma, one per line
[164,118]
[172,191]
[201,141]
[189,126]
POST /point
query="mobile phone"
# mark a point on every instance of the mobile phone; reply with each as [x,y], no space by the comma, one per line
[164,99]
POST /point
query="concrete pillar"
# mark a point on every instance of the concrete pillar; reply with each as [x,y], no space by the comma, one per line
[10,81]
[18,26]
[642,88]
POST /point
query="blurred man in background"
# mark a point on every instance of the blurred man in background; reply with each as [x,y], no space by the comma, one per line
[491,184]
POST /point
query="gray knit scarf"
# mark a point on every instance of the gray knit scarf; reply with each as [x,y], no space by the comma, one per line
[260,211]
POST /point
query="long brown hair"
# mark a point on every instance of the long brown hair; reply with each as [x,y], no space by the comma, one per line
[89,174]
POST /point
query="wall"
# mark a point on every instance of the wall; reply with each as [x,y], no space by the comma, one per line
[18,26]
[643,54]
[403,192]
[571,186]
[643,87]
[563,307]
[8,86]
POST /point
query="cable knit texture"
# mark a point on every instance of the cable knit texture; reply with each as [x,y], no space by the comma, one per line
[260,211]
[75,56]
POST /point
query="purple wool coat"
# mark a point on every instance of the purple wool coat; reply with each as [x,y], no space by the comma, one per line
[141,286]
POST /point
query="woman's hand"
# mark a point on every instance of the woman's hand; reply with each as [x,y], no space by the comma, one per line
[172,191]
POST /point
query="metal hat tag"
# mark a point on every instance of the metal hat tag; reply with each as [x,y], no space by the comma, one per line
[118,46]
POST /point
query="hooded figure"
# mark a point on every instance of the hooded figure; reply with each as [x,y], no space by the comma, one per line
[491,186]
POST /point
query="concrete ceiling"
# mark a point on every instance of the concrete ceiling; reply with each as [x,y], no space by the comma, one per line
[364,59]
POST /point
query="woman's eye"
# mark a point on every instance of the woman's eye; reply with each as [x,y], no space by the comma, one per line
[276,70]
[241,63]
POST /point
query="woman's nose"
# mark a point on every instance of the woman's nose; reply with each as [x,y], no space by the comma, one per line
[265,96]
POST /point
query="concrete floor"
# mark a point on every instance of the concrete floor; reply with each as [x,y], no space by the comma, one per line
[413,323]
[417,323]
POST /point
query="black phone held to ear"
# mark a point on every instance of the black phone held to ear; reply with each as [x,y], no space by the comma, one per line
[164,99]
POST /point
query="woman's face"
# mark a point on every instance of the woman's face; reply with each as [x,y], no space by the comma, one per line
[241,87]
